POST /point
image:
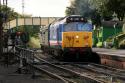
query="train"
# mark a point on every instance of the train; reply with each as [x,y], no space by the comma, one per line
[69,38]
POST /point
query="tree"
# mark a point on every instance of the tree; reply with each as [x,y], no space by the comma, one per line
[105,8]
[87,8]
[6,14]
[9,13]
[80,7]
[117,6]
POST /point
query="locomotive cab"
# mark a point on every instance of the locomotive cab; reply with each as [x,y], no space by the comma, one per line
[77,38]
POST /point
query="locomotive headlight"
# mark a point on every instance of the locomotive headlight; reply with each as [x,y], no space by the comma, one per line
[77,36]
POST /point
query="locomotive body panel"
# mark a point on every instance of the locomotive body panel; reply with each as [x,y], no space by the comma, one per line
[77,39]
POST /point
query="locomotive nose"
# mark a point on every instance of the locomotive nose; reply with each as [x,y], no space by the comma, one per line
[76,39]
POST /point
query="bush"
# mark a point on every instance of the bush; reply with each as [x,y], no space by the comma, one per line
[110,39]
[115,41]
[109,42]
[122,44]
[123,29]
[99,44]
[120,37]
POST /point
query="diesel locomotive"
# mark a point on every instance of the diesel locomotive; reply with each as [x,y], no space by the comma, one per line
[69,38]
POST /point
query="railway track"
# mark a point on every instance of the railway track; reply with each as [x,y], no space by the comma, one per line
[68,75]
[78,72]
[97,71]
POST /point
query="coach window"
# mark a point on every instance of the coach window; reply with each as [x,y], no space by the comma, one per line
[54,32]
[51,32]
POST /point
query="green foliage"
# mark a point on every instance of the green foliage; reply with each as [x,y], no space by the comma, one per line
[9,13]
[108,7]
[123,28]
[117,6]
[99,44]
[25,37]
[109,43]
[118,41]
[105,8]
[122,44]
[110,39]
[96,19]
[69,11]
[120,36]
[12,36]
[80,7]
[32,30]
[87,8]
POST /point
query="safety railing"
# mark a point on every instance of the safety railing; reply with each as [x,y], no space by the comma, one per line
[24,53]
[25,56]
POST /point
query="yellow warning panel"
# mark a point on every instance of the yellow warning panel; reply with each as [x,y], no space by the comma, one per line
[77,39]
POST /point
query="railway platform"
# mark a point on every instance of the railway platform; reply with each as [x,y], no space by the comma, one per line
[110,51]
[8,74]
[111,57]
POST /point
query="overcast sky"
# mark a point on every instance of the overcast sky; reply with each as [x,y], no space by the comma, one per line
[43,8]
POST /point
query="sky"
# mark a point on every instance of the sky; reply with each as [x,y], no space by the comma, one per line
[42,8]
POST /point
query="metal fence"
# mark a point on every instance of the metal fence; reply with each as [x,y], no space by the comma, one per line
[24,53]
[25,56]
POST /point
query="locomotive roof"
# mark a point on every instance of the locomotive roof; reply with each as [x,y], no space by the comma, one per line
[63,19]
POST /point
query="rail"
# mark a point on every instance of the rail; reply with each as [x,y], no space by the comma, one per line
[28,56]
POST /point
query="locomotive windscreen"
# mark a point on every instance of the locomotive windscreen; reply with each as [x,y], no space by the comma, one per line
[77,26]
[75,19]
